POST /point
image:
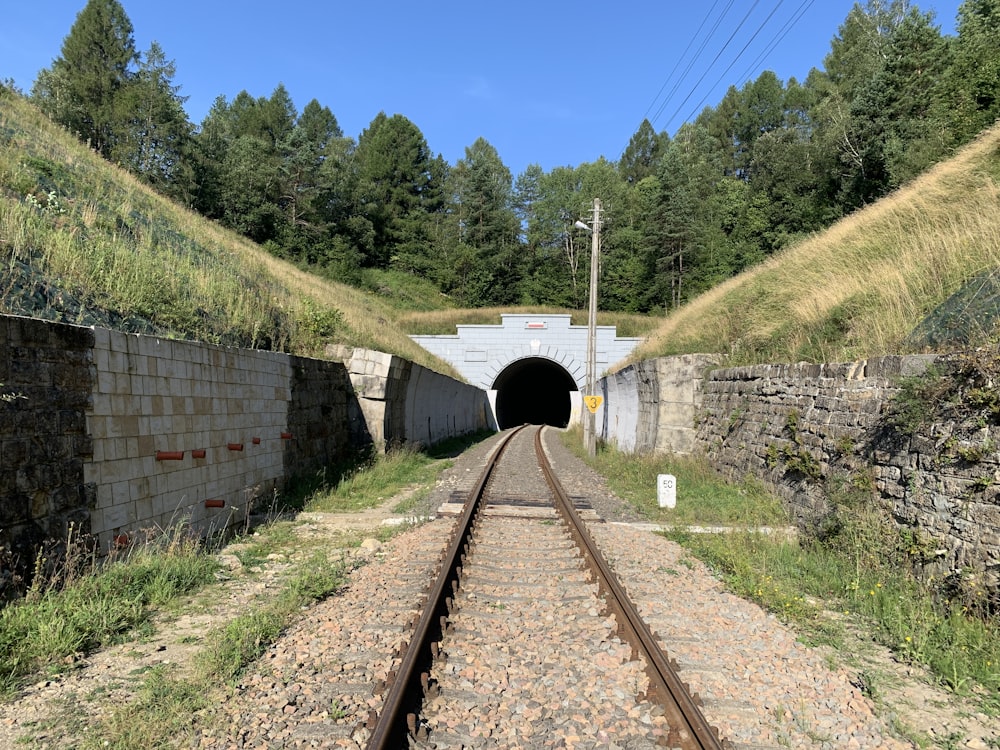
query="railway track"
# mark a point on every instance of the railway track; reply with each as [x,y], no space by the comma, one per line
[526,638]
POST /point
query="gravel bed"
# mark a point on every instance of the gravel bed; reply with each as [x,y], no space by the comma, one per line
[316,685]
[531,661]
[583,484]
[760,686]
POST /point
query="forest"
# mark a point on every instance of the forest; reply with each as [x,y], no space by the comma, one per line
[770,163]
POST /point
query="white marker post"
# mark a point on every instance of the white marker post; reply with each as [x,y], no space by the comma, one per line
[666,490]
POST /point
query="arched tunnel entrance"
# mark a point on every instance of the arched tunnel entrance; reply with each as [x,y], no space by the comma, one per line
[534,391]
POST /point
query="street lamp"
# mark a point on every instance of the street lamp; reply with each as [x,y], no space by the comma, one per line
[589,431]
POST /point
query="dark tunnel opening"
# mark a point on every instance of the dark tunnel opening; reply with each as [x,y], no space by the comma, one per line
[533,391]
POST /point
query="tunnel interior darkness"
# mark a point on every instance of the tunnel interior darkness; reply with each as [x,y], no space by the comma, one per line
[533,391]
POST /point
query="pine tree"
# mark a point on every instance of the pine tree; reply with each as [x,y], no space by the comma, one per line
[642,154]
[484,206]
[975,76]
[82,88]
[154,142]
[393,187]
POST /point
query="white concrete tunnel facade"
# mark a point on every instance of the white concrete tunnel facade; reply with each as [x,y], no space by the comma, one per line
[527,360]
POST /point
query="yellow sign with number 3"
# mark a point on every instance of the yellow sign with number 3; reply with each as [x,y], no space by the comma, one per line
[593,402]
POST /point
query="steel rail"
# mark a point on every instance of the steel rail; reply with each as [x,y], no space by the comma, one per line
[388,731]
[689,727]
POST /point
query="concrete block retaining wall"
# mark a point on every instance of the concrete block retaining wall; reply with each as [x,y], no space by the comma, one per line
[403,402]
[120,433]
[183,431]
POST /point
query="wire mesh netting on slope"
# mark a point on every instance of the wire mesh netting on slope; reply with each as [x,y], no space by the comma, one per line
[970,317]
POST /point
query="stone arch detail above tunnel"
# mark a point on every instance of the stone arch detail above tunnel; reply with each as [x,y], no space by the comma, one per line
[577,370]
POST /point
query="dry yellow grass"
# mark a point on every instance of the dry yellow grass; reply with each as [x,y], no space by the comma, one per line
[859,288]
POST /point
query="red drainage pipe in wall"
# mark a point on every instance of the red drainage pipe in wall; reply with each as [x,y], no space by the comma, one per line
[215,503]
[255,441]
[234,446]
[169,455]
[286,436]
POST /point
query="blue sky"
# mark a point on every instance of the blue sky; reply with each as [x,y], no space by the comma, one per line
[553,83]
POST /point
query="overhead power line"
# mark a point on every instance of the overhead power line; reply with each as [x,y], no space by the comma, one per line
[693,60]
[683,55]
[714,60]
[757,63]
[735,59]
[779,36]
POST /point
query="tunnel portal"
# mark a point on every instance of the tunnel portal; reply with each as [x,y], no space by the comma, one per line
[534,391]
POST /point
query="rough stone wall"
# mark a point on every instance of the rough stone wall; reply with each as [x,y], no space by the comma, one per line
[786,424]
[798,426]
[324,419]
[46,372]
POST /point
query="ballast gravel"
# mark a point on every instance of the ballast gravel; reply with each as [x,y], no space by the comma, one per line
[315,686]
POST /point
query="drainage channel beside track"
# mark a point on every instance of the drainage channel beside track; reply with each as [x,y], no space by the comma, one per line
[527,639]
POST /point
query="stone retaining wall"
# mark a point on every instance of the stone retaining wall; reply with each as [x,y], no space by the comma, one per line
[46,372]
[791,425]
[403,402]
[650,407]
[799,427]
[120,433]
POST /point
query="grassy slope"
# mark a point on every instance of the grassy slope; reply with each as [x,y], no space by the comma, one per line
[94,246]
[859,288]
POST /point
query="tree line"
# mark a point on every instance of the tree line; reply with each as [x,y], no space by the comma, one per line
[770,163]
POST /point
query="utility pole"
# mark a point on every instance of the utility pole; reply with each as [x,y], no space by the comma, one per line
[589,420]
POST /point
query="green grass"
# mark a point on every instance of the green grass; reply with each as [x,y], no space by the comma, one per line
[701,498]
[239,642]
[166,702]
[158,714]
[372,483]
[798,582]
[403,291]
[74,611]
[368,484]
[859,571]
[111,252]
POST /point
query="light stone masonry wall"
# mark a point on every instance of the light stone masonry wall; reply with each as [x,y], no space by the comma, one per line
[650,407]
[405,402]
[157,399]
[481,352]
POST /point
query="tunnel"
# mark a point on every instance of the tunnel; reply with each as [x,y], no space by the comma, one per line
[533,391]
